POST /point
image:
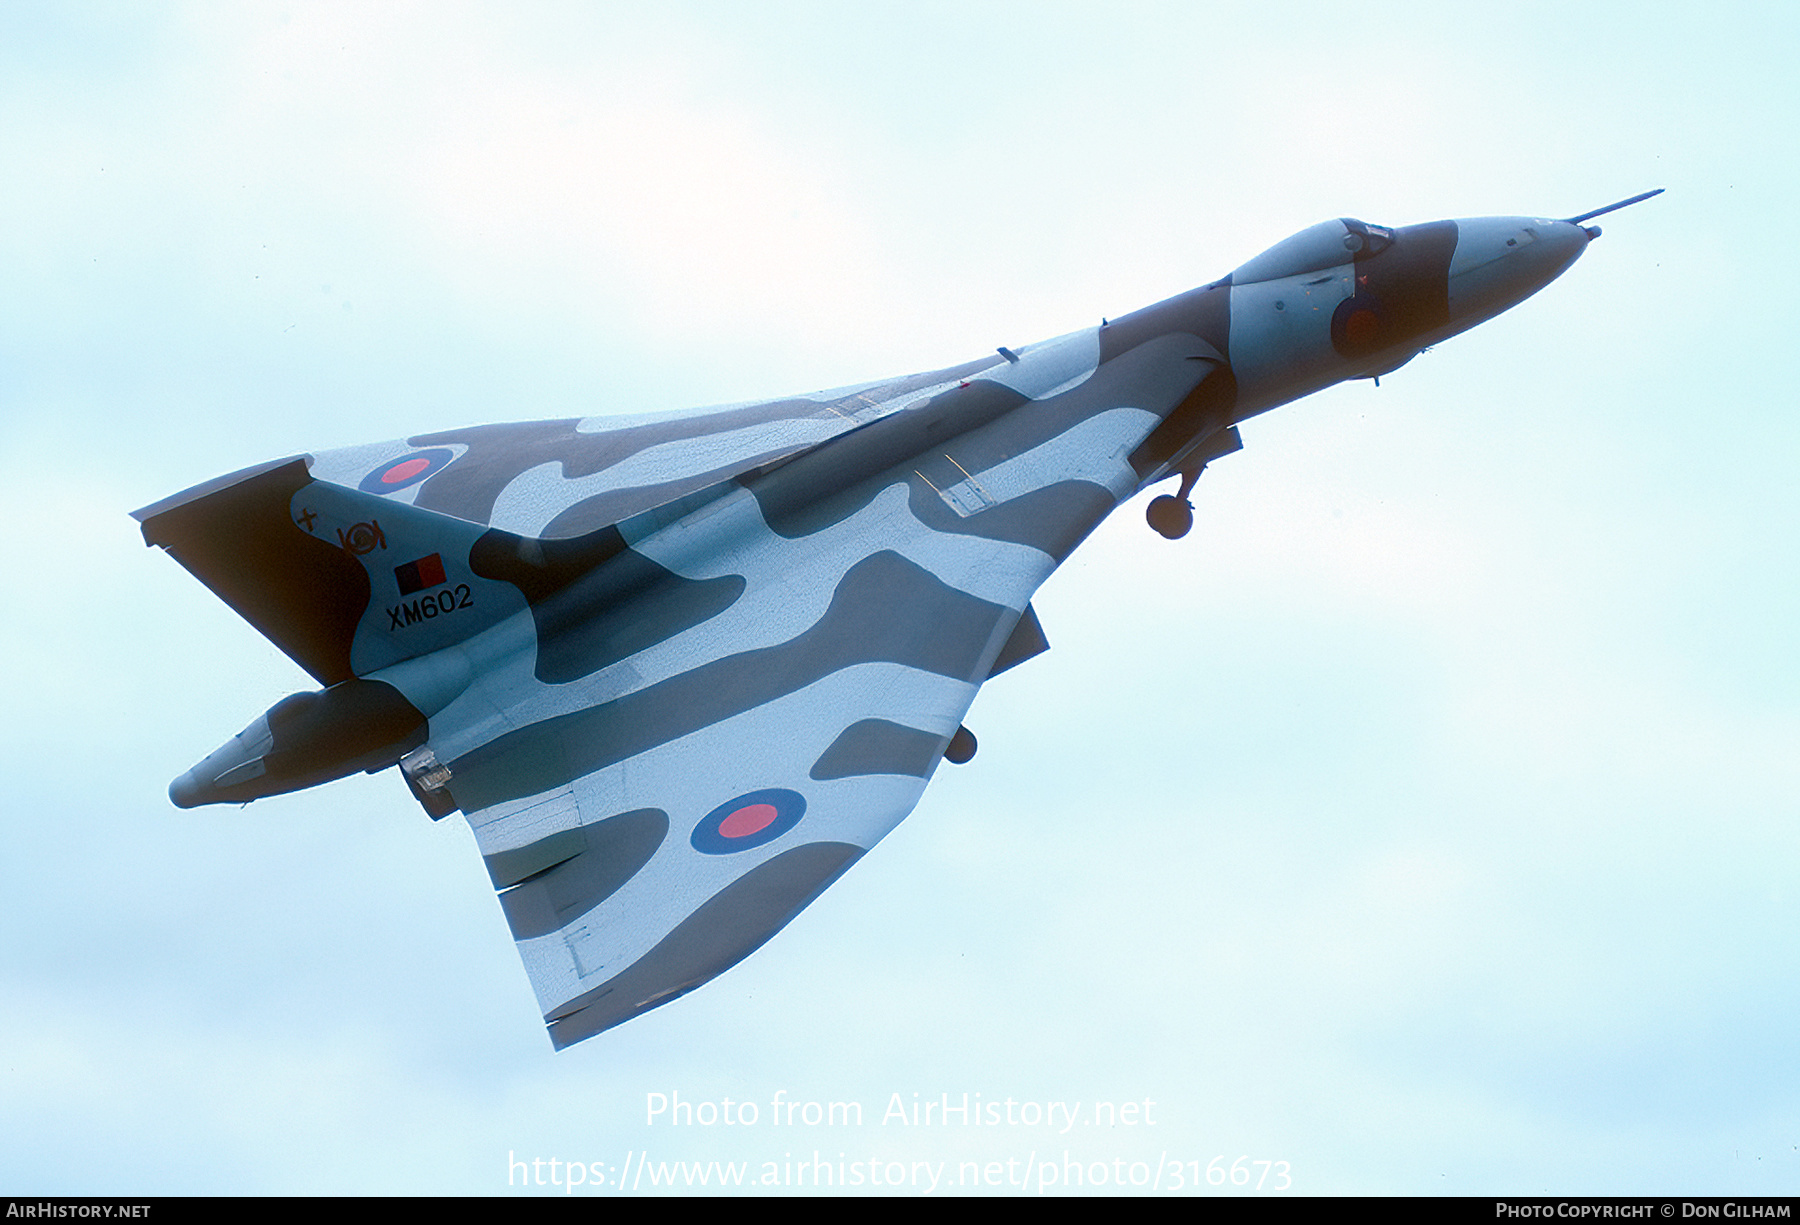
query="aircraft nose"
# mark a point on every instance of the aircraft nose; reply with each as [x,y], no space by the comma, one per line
[1501,261]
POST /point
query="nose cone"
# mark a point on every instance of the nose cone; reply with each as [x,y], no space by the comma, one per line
[1501,261]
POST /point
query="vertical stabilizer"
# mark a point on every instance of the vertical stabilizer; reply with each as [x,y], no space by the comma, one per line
[238,535]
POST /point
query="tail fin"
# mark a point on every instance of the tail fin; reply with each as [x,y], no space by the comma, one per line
[344,582]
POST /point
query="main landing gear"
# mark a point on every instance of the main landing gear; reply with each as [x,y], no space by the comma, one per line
[1172,517]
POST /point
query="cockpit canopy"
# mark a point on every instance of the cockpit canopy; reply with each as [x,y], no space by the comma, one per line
[1329,244]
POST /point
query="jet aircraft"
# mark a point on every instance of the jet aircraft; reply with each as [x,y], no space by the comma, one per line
[679,672]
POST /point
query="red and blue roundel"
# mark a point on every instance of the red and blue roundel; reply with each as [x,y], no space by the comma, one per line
[749,821]
[408,470]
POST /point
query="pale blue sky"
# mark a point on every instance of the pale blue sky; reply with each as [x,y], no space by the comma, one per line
[1427,819]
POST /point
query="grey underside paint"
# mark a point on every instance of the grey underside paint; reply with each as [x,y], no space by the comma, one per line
[1026,641]
[720,933]
[886,608]
[878,746]
[836,479]
[944,631]
[587,865]
[499,454]
[968,430]
[627,605]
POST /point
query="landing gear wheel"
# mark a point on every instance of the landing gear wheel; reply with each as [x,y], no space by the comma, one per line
[1171,517]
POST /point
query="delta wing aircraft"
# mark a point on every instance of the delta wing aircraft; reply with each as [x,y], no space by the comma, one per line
[680,672]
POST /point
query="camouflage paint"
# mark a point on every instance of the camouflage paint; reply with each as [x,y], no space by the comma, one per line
[681,672]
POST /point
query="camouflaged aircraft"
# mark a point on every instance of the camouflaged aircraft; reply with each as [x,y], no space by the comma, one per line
[681,671]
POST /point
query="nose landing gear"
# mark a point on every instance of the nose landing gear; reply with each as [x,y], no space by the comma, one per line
[1172,517]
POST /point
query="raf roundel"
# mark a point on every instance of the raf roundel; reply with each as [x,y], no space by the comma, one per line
[406,471]
[751,820]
